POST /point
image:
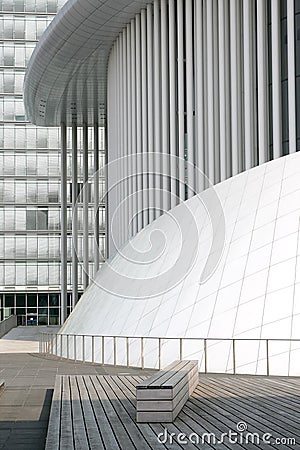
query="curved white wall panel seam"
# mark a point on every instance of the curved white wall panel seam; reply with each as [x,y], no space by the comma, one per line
[253,293]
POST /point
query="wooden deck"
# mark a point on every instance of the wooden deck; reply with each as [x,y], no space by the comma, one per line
[102,413]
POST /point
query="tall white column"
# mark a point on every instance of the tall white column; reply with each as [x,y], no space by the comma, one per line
[262,83]
[189,96]
[96,199]
[172,102]
[222,90]
[124,185]
[276,78]
[74,217]
[85,253]
[133,128]
[199,101]
[210,92]
[144,117]
[150,109]
[180,73]
[129,181]
[234,88]
[64,232]
[216,93]
[157,105]
[139,121]
[291,75]
[165,114]
[248,85]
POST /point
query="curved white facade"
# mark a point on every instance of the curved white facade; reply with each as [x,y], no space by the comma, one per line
[254,292]
[212,83]
[194,93]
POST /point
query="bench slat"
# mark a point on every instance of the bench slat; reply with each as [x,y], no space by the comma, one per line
[157,376]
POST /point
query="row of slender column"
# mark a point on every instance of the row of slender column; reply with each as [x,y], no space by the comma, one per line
[64,212]
[191,79]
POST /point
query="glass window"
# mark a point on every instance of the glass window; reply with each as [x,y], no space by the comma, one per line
[53,299]
[20,300]
[43,300]
[9,300]
[31,300]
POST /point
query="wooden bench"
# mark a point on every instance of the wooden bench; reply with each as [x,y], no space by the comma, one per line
[2,383]
[161,397]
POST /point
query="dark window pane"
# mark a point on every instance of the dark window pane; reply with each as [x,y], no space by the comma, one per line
[20,300]
[54,312]
[31,300]
[43,299]
[9,300]
[53,300]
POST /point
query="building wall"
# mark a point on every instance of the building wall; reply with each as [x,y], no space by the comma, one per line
[212,83]
[30,178]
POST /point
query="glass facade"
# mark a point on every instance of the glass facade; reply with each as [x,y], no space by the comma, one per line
[30,179]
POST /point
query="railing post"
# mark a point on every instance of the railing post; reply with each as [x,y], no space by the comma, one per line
[56,344]
[205,355]
[93,349]
[67,346]
[127,351]
[61,342]
[83,348]
[233,355]
[75,348]
[142,353]
[115,351]
[102,350]
[159,353]
[180,349]
[267,354]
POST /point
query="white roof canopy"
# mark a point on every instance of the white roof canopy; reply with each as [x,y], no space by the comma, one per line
[66,79]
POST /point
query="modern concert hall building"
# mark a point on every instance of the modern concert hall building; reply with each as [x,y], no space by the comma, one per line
[200,101]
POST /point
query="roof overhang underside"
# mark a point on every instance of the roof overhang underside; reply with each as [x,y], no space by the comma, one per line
[66,79]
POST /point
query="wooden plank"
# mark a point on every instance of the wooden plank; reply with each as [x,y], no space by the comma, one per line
[128,386]
[170,378]
[155,379]
[91,425]
[181,374]
[155,405]
[53,434]
[117,425]
[128,402]
[109,440]
[223,409]
[131,428]
[269,411]
[66,431]
[273,396]
[79,431]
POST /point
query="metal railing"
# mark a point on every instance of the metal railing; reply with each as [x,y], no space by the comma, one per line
[7,324]
[104,350]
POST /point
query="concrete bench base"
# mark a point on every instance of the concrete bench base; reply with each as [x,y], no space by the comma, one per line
[161,397]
